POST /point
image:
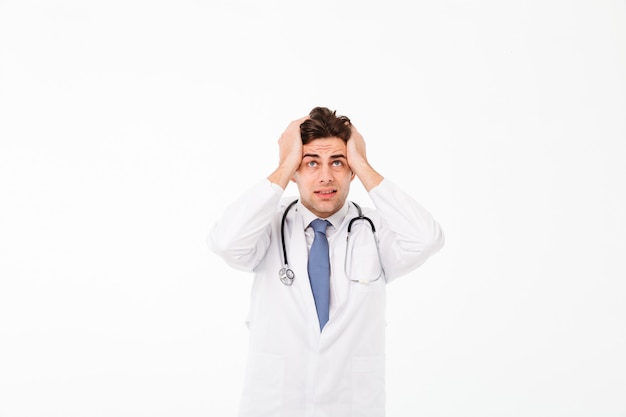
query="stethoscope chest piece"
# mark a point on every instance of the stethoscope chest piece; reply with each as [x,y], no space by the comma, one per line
[286,276]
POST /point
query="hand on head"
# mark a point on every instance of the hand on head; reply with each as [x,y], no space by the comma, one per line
[290,145]
[357,160]
[356,148]
[290,153]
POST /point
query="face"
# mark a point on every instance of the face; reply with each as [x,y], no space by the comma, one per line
[324,176]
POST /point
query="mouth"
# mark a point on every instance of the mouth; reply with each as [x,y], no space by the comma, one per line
[326,194]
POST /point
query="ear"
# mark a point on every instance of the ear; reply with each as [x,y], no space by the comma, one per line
[352,177]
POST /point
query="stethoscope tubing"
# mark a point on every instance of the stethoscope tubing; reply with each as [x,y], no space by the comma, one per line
[285,274]
[282,233]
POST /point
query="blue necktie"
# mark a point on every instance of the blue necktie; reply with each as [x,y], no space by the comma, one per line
[319,270]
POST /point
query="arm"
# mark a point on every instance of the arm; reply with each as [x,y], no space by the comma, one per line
[408,235]
[242,236]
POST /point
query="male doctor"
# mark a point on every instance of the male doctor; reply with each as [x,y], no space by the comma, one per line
[317,336]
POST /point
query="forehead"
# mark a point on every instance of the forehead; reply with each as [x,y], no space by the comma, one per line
[322,146]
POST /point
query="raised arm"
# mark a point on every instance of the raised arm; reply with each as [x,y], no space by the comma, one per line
[242,235]
[410,235]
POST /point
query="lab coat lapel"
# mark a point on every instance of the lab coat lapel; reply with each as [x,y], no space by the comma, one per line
[340,286]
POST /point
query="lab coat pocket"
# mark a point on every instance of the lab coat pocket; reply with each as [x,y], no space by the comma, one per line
[368,386]
[362,259]
[263,385]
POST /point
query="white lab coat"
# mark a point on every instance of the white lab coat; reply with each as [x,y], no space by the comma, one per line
[293,370]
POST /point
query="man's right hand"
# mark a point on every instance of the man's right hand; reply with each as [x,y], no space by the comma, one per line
[290,154]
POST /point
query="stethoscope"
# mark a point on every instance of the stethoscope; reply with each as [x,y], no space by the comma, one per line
[287,275]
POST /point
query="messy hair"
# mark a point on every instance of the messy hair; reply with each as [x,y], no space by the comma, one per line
[324,123]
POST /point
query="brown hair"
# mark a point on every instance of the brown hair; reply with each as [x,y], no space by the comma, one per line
[323,123]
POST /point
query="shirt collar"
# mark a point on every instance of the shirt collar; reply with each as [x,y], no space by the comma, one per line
[335,220]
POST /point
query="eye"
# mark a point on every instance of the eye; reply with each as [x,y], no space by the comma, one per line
[337,163]
[311,164]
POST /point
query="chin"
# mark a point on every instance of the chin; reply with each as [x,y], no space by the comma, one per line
[328,208]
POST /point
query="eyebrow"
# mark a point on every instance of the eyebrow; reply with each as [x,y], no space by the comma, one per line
[314,155]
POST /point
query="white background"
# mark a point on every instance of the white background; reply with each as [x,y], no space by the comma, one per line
[126,127]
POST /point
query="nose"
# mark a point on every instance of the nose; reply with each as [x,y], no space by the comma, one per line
[326,174]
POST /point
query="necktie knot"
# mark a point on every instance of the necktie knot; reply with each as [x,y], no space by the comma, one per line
[319,225]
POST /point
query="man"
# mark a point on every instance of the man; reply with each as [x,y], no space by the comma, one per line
[317,341]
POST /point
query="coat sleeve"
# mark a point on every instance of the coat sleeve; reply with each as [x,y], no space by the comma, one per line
[408,235]
[242,235]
